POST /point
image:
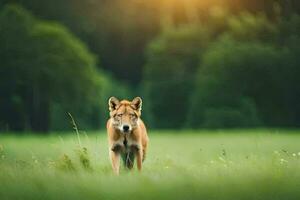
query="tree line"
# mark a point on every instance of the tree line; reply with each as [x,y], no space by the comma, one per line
[196,65]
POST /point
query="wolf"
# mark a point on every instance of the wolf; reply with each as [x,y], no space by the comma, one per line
[127,133]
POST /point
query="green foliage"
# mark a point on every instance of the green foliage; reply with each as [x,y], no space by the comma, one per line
[289,40]
[196,64]
[243,115]
[116,30]
[169,74]
[251,63]
[15,24]
[233,73]
[249,27]
[47,68]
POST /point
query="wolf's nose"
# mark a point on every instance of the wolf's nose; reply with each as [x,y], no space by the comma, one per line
[125,128]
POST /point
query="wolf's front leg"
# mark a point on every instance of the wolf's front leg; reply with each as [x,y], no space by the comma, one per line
[139,159]
[115,161]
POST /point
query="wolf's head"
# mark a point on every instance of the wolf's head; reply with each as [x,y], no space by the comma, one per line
[125,114]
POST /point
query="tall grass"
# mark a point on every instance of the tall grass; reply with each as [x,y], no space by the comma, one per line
[240,164]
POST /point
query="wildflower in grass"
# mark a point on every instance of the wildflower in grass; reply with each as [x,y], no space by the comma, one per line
[294,154]
[222,159]
[34,159]
[276,152]
[298,153]
[282,161]
[51,164]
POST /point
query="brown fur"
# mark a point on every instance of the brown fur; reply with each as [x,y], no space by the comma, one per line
[133,142]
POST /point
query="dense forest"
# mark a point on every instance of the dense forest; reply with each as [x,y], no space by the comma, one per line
[196,64]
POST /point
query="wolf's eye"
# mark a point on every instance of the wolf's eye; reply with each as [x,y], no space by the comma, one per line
[119,115]
[132,115]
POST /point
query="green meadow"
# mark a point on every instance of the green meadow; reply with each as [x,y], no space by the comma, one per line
[232,164]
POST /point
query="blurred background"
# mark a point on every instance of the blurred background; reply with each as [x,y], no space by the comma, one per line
[195,63]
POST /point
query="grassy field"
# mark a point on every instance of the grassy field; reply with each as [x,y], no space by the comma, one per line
[232,164]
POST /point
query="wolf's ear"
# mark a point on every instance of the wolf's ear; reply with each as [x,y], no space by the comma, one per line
[137,103]
[113,102]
